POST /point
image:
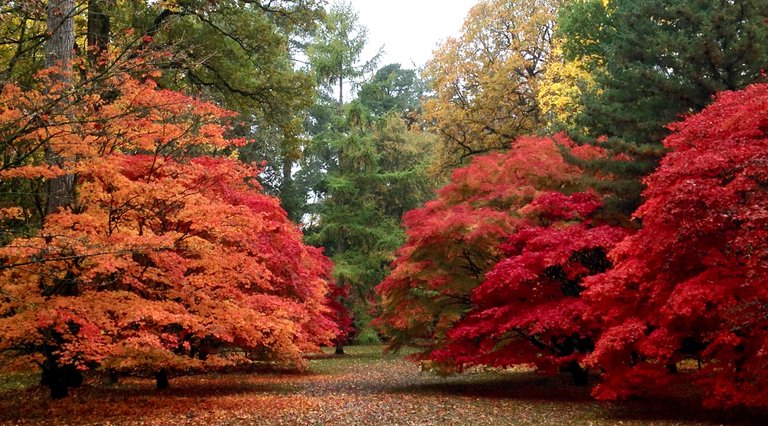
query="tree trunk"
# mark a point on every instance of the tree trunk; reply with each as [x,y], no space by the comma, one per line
[339,349]
[60,192]
[162,380]
[580,375]
[113,377]
[341,95]
[59,46]
[98,28]
[287,191]
[59,378]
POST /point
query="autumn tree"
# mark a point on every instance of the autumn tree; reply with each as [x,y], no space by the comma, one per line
[528,310]
[166,263]
[453,241]
[485,81]
[685,301]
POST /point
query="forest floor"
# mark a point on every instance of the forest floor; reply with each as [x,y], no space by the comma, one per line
[364,387]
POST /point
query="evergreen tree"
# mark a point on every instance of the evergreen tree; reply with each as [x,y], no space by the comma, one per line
[656,60]
[368,169]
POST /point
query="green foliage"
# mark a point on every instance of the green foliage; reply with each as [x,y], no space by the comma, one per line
[336,50]
[656,60]
[392,89]
[366,167]
[367,336]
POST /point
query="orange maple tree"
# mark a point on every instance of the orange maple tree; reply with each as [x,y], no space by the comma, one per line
[171,259]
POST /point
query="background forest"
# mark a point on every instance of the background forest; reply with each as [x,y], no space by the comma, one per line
[579,186]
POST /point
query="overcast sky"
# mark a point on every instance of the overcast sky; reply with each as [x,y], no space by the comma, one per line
[410,30]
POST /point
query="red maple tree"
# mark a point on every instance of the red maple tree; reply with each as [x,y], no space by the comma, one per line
[687,297]
[439,296]
[528,310]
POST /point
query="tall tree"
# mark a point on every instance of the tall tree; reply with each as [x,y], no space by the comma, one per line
[365,191]
[656,60]
[59,48]
[336,51]
[485,81]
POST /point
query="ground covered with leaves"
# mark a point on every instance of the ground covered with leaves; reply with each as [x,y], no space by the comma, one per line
[363,387]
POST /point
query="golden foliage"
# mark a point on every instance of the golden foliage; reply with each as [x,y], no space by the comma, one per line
[485,81]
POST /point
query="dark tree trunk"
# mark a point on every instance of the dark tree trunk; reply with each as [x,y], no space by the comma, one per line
[162,380]
[113,377]
[98,28]
[60,192]
[73,377]
[58,388]
[59,378]
[287,191]
[339,349]
[580,375]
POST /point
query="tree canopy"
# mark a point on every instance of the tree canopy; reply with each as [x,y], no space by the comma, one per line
[485,81]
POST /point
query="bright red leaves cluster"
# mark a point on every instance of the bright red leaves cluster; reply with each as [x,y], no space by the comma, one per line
[169,260]
[688,292]
[510,265]
[491,272]
[454,240]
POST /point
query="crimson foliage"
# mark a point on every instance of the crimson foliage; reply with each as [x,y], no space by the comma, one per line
[687,299]
[491,272]
[528,310]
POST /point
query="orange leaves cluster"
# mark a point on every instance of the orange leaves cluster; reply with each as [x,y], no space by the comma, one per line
[169,259]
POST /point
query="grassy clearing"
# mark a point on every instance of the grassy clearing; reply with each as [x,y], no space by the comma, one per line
[364,387]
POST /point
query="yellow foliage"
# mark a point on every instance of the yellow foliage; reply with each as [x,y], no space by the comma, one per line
[561,88]
[485,81]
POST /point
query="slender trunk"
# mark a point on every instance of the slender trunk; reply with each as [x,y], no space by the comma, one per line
[340,246]
[98,28]
[287,192]
[161,377]
[60,192]
[339,349]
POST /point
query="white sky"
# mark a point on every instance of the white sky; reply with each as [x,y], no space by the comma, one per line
[409,30]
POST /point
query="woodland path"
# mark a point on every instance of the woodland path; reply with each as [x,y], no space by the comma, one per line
[364,387]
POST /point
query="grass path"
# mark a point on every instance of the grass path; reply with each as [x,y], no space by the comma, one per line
[363,388]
